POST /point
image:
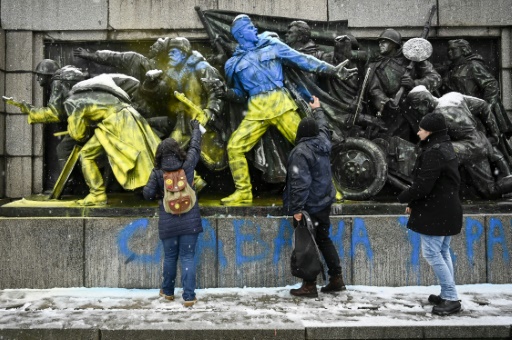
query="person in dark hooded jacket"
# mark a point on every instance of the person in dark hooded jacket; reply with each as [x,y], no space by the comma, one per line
[434,206]
[178,233]
[309,188]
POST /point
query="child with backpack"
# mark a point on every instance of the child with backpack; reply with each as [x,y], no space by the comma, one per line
[179,222]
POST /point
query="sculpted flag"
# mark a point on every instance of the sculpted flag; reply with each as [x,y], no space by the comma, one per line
[323,32]
[270,154]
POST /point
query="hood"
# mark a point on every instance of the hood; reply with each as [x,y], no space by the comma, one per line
[171,163]
[316,143]
[103,82]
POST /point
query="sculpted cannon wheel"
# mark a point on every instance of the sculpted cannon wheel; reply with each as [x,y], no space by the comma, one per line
[359,168]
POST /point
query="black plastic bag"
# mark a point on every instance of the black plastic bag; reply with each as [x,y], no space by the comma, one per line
[305,261]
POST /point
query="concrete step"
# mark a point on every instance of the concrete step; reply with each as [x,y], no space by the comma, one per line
[361,312]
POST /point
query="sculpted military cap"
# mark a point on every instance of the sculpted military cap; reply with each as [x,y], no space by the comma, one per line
[240,22]
[180,43]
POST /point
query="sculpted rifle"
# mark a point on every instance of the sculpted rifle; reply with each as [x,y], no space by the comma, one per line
[197,112]
[359,106]
[216,157]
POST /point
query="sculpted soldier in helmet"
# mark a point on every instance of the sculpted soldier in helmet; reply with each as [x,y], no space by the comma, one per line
[61,81]
[388,75]
[468,75]
[45,71]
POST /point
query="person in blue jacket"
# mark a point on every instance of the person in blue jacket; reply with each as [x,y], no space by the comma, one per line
[178,233]
[309,188]
[255,71]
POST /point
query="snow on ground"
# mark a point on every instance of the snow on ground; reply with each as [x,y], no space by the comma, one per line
[115,308]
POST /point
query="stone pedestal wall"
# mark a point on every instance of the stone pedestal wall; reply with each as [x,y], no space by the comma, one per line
[239,252]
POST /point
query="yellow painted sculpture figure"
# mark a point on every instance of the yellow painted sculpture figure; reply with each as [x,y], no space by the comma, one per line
[99,112]
[255,71]
[189,73]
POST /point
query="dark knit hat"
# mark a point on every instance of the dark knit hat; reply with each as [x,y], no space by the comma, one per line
[307,128]
[433,122]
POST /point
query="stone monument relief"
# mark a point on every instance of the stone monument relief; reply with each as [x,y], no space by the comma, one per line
[108,105]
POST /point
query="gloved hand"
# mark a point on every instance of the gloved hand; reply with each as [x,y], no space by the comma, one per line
[194,124]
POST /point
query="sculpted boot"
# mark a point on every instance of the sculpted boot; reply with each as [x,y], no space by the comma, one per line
[238,197]
[308,289]
[199,182]
[97,191]
[335,284]
[240,172]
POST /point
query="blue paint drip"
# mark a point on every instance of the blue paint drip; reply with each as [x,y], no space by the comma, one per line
[474,232]
[208,242]
[123,240]
[337,239]
[496,236]
[281,242]
[283,239]
[360,236]
[415,242]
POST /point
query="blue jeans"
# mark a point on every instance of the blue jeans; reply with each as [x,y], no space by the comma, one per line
[436,250]
[184,247]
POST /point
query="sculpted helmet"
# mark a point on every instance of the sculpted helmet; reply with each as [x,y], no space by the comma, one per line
[180,43]
[391,35]
[47,67]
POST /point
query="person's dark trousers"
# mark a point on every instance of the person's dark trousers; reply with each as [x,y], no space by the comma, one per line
[323,224]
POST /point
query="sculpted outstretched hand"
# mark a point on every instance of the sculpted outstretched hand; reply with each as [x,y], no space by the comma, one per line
[81,52]
[344,73]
